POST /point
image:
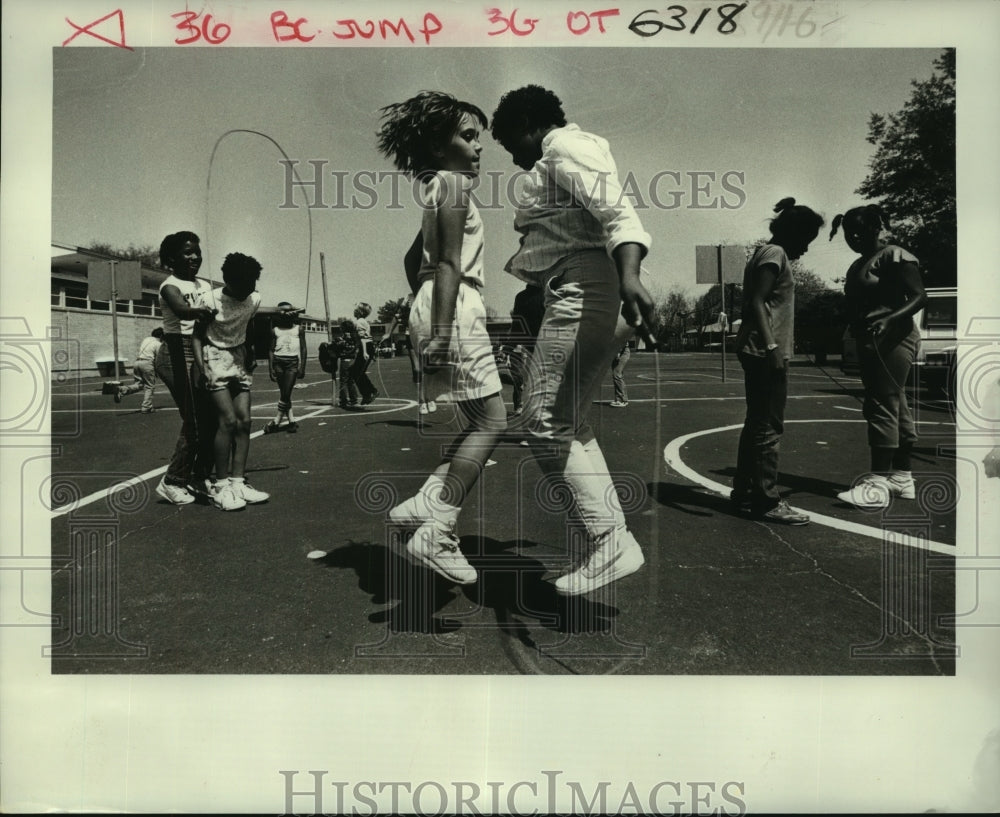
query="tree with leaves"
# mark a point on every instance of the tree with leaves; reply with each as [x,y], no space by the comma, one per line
[147,254]
[388,310]
[912,174]
[673,319]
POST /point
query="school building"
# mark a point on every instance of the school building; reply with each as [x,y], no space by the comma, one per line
[85,323]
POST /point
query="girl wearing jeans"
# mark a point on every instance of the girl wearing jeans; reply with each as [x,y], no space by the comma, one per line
[581,242]
[765,343]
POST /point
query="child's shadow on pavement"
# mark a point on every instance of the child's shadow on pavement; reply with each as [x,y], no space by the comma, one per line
[510,584]
[388,577]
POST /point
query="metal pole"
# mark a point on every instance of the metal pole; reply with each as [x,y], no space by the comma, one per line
[722,294]
[114,318]
[329,328]
[326,299]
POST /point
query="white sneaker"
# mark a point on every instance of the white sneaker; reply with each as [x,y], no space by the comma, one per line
[410,513]
[432,406]
[174,494]
[225,498]
[423,408]
[437,548]
[618,556]
[243,490]
[869,493]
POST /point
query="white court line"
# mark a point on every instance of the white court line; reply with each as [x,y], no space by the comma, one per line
[137,480]
[672,456]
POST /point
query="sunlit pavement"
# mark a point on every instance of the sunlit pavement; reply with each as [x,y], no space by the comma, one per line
[310,582]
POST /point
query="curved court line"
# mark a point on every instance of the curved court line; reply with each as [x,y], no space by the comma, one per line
[672,456]
[137,480]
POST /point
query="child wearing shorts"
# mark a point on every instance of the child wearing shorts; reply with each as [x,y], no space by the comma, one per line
[435,138]
[226,362]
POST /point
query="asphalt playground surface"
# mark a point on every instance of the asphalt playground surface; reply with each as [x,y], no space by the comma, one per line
[307,582]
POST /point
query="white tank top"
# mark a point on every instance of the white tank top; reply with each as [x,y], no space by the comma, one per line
[286,341]
[472,236]
[194,293]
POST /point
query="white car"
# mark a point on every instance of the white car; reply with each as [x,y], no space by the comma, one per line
[938,324]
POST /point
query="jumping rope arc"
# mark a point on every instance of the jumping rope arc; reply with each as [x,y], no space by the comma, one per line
[208,190]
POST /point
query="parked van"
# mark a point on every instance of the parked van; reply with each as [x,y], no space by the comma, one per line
[938,324]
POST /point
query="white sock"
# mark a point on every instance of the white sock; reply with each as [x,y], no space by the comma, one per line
[432,487]
[446,515]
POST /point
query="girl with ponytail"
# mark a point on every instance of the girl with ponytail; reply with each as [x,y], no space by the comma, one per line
[765,346]
[884,290]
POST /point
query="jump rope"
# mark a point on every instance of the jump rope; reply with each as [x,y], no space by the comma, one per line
[208,194]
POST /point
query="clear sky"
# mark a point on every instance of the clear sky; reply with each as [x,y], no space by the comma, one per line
[133,133]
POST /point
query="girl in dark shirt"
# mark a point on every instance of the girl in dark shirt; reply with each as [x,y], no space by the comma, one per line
[884,290]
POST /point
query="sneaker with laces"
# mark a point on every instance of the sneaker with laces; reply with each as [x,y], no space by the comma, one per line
[873,492]
[436,547]
[431,406]
[423,408]
[245,491]
[618,556]
[174,494]
[784,514]
[224,497]
[618,403]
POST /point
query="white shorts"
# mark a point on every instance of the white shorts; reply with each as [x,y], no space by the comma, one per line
[474,374]
[225,368]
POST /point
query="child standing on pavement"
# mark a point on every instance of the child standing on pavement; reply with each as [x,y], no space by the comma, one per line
[435,138]
[346,348]
[618,376]
[765,344]
[366,351]
[226,362]
[181,295]
[286,359]
[884,290]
